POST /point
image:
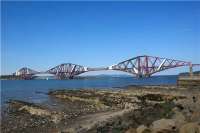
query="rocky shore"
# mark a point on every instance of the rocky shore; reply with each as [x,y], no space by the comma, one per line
[134,109]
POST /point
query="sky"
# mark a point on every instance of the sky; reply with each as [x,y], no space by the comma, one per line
[41,35]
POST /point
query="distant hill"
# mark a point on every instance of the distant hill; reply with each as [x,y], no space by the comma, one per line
[108,75]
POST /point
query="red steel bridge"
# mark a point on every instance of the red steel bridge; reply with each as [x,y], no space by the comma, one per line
[141,66]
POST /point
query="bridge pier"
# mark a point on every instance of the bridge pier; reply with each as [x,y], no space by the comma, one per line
[143,76]
[147,76]
[71,77]
[139,76]
[65,76]
[191,70]
[26,77]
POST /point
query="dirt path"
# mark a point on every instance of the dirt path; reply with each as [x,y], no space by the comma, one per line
[91,121]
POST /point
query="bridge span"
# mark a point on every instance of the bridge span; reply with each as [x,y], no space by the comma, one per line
[141,66]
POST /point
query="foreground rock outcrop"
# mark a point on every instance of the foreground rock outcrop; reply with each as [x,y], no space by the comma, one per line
[136,109]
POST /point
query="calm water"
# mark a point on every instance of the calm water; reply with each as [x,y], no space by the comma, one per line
[34,90]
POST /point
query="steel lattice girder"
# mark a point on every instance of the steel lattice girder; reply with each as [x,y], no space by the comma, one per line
[148,65]
[67,70]
[25,71]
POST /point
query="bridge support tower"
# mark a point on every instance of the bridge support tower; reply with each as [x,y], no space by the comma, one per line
[191,69]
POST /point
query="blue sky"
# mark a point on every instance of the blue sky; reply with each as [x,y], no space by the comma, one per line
[41,35]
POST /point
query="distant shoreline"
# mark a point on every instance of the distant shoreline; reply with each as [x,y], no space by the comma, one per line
[12,77]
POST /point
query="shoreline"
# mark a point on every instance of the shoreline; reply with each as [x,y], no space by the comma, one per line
[91,110]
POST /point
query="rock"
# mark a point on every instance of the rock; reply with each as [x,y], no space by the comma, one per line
[195,116]
[192,127]
[143,129]
[128,105]
[69,130]
[179,118]
[131,130]
[56,118]
[35,111]
[163,125]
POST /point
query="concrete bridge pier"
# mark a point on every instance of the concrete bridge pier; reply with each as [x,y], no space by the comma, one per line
[26,77]
[191,70]
[143,76]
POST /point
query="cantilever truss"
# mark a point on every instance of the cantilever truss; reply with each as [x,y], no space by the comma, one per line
[26,71]
[67,70]
[145,66]
[141,66]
